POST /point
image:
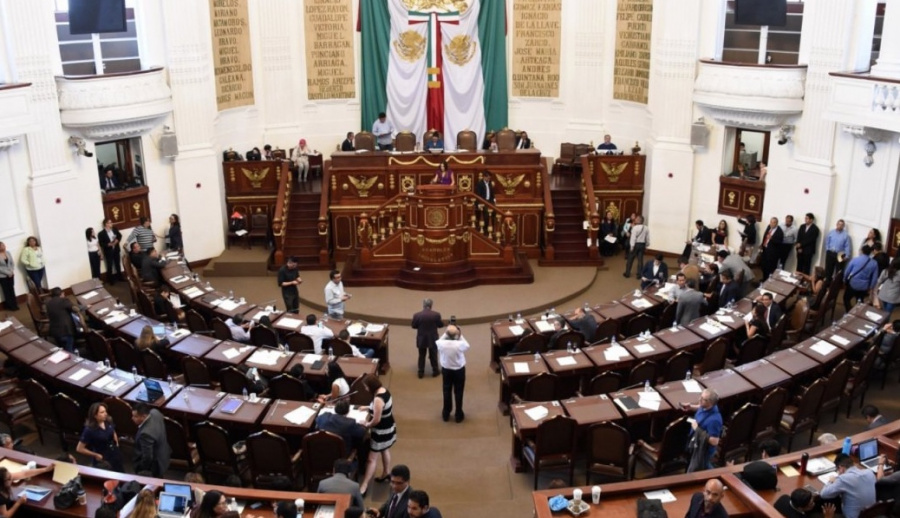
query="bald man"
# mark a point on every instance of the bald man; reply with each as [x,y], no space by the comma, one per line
[708,504]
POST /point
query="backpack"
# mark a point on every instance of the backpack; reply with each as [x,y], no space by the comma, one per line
[650,508]
[68,494]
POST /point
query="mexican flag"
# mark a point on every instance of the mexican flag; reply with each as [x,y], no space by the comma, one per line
[434,65]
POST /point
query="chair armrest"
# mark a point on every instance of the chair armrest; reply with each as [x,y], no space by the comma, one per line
[641,445]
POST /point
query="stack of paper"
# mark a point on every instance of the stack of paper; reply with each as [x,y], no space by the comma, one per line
[229,305]
[355,329]
[300,415]
[193,292]
[871,315]
[537,413]
[663,495]
[516,330]
[374,328]
[565,361]
[544,326]
[725,319]
[289,322]
[115,316]
[641,303]
[644,348]
[692,386]
[89,295]
[521,368]
[58,356]
[265,357]
[616,353]
[709,328]
[649,400]
[231,353]
[311,358]
[4,325]
[179,279]
[823,348]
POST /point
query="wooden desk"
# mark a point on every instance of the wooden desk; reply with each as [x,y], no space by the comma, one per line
[85,286]
[604,362]
[524,427]
[132,330]
[642,303]
[615,311]
[870,313]
[547,325]
[195,345]
[589,410]
[793,362]
[841,337]
[281,359]
[198,404]
[91,297]
[228,354]
[13,338]
[709,329]
[779,286]
[120,383]
[33,351]
[245,418]
[727,383]
[51,369]
[513,382]
[680,339]
[275,422]
[640,412]
[763,374]
[82,375]
[139,392]
[503,339]
[777,297]
[651,348]
[570,367]
[860,326]
[676,394]
[833,352]
[731,318]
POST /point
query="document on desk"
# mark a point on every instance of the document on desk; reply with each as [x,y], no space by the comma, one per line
[789,471]
[231,353]
[644,348]
[711,329]
[663,495]
[355,329]
[692,386]
[521,368]
[11,465]
[291,323]
[615,353]
[179,279]
[641,303]
[822,347]
[229,305]
[299,415]
[58,356]
[537,413]
[114,385]
[102,382]
[79,374]
[566,361]
[516,330]
[839,340]
[193,292]
[544,326]
[311,358]
[180,333]
[114,317]
[4,325]
[871,315]
[725,319]
[89,295]
[324,511]
[374,328]
[265,357]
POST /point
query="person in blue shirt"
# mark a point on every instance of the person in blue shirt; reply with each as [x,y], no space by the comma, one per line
[860,276]
[435,142]
[855,486]
[708,419]
[837,241]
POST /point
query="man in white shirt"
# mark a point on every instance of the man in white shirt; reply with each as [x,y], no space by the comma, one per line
[335,296]
[316,332]
[451,349]
[384,131]
[240,330]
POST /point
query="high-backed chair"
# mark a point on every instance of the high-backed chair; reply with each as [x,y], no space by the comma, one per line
[318,452]
[566,338]
[195,321]
[285,386]
[604,383]
[427,136]
[532,343]
[359,394]
[639,324]
[667,317]
[506,140]
[70,417]
[120,412]
[14,409]
[738,435]
[677,365]
[643,371]
[262,336]
[667,456]
[405,141]
[467,139]
[337,347]
[184,453]
[220,329]
[768,416]
[752,349]
[38,315]
[714,358]
[796,323]
[259,228]
[553,447]
[364,140]
[96,345]
[835,383]
[803,416]
[152,365]
[269,457]
[216,452]
[542,387]
[608,453]
[41,407]
[298,342]
[859,379]
[126,355]
[195,372]
[234,381]
[606,330]
[776,337]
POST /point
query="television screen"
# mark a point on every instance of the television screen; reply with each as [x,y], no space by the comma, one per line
[761,12]
[96,16]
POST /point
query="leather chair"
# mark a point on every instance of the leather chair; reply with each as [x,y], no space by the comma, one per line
[803,416]
[337,347]
[126,355]
[542,387]
[184,453]
[37,314]
[364,140]
[738,435]
[859,379]
[532,343]
[195,372]
[70,417]
[359,394]
[677,366]
[506,140]
[467,140]
[220,329]
[262,336]
[835,382]
[714,358]
[269,457]
[667,317]
[285,386]
[217,456]
[776,337]
[553,447]
[644,371]
[427,136]
[317,455]
[14,409]
[259,228]
[405,141]
[152,365]
[234,381]
[96,345]
[606,330]
[666,456]
[120,412]
[796,323]
[608,453]
[41,407]
[298,342]
[752,349]
[878,509]
[195,321]
[769,415]
[604,383]
[565,338]
[232,235]
[639,324]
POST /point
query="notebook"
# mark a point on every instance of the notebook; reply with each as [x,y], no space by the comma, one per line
[152,391]
[171,505]
[180,489]
[868,454]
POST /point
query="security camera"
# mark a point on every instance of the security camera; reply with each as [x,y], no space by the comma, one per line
[80,146]
[782,141]
[86,153]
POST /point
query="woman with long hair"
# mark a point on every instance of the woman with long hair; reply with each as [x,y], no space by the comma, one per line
[8,504]
[887,288]
[874,236]
[33,260]
[444,175]
[337,381]
[93,248]
[148,340]
[816,283]
[382,431]
[8,278]
[98,438]
[145,506]
[608,228]
[213,505]
[300,158]
[721,234]
[175,240]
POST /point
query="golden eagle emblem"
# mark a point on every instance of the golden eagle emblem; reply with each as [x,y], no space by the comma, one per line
[460,50]
[613,172]
[255,177]
[510,183]
[410,46]
[441,5]
[363,184]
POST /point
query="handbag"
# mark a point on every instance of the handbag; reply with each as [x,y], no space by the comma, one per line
[68,494]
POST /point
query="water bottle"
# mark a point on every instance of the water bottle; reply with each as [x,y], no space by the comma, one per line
[171,383]
[845,449]
[553,312]
[106,364]
[196,276]
[569,346]
[537,357]
[246,396]
[331,352]
[321,325]
[518,316]
[230,294]
[687,375]
[804,460]
[208,286]
[586,306]
[646,385]
[614,342]
[184,394]
[134,374]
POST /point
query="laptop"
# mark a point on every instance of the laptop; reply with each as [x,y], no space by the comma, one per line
[152,391]
[868,454]
[159,330]
[180,489]
[172,505]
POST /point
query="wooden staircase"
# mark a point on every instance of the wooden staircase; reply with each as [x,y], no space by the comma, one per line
[302,234]
[569,238]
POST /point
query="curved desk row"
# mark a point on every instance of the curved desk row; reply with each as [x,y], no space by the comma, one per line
[740,500]
[92,480]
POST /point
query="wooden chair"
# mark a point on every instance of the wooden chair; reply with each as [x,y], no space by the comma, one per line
[298,342]
[677,366]
[667,317]
[568,161]
[859,379]
[337,347]
[364,140]
[216,453]
[565,338]
[318,452]
[126,355]
[97,347]
[604,383]
[269,456]
[195,321]
[14,409]
[285,386]
[532,343]
[360,395]
[41,407]
[234,381]
[232,235]
[184,453]
[120,412]
[667,456]
[467,139]
[639,324]
[70,417]
[803,416]
[195,372]
[262,336]
[777,336]
[835,382]
[152,365]
[405,141]
[608,453]
[752,349]
[506,140]
[259,228]
[796,324]
[738,435]
[145,306]
[714,358]
[768,417]
[644,371]
[220,329]
[37,314]
[553,447]
[542,387]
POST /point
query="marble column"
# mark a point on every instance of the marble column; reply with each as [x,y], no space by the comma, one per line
[888,64]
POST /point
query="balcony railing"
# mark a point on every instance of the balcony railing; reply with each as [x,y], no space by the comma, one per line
[863,100]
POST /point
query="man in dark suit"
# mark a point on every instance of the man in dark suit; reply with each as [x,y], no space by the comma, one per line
[729,291]
[151,265]
[703,237]
[341,483]
[689,302]
[485,190]
[585,324]
[708,503]
[61,327]
[807,241]
[109,182]
[654,271]
[773,311]
[396,506]
[338,423]
[109,239]
[522,141]
[771,248]
[873,417]
[151,448]
[347,144]
[426,323]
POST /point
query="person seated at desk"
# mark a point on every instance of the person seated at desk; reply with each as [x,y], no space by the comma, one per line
[165,308]
[148,340]
[136,255]
[286,509]
[213,505]
[267,152]
[358,352]
[708,504]
[435,142]
[606,147]
[297,373]
[347,144]
[486,143]
[740,172]
[799,504]
[240,329]
[151,265]
[109,182]
[316,332]
[655,271]
[522,141]
[254,155]
[444,175]
[9,504]
[584,323]
[855,486]
[338,423]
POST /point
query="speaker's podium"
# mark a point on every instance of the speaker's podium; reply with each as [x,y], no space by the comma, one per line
[435,238]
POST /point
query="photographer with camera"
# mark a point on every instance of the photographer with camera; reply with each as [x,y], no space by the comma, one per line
[452,347]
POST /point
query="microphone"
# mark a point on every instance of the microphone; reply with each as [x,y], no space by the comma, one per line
[345,396]
[636,385]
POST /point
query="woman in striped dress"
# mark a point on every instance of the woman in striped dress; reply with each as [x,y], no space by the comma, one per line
[382,431]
